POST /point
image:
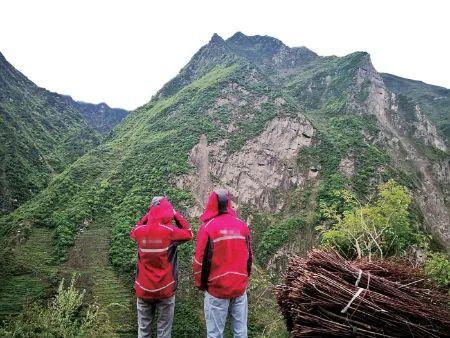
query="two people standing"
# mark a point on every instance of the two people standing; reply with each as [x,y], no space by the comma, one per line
[222,265]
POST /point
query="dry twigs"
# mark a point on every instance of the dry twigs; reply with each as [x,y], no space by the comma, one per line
[325,295]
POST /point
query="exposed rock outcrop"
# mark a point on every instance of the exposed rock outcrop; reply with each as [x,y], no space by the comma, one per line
[255,173]
[426,131]
[432,200]
[347,167]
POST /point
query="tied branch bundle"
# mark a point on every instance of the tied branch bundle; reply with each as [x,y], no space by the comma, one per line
[325,295]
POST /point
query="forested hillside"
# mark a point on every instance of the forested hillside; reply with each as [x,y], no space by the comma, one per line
[285,130]
[41,134]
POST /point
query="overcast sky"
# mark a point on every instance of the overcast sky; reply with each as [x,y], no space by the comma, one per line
[122,52]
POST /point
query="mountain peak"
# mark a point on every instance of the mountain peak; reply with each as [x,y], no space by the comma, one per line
[238,35]
[268,52]
[3,61]
[264,41]
[216,39]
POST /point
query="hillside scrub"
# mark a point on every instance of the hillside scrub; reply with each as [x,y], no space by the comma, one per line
[66,315]
[381,227]
[437,267]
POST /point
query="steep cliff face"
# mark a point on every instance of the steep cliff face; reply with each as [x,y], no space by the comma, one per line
[434,101]
[325,89]
[259,173]
[406,134]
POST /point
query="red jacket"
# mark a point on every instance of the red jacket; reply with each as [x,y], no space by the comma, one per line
[223,255]
[157,239]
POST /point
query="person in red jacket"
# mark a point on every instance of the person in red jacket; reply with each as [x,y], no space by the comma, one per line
[157,269]
[222,265]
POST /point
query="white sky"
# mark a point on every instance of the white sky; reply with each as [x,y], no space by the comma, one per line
[122,52]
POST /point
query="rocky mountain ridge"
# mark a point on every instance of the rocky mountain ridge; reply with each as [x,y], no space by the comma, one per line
[404,134]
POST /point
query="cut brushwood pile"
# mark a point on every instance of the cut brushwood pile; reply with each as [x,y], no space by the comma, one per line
[325,295]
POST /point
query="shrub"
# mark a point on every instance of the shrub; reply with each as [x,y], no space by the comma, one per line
[437,267]
[64,316]
[276,235]
[381,228]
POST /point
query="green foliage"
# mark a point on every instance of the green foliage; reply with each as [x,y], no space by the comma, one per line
[265,319]
[437,267]
[41,133]
[328,80]
[363,94]
[66,315]
[380,228]
[343,137]
[275,236]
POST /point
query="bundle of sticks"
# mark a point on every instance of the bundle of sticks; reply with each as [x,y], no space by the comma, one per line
[325,295]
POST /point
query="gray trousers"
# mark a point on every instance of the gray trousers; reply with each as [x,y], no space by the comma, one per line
[146,310]
[216,313]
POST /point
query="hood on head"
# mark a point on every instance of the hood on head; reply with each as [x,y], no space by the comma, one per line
[161,210]
[219,202]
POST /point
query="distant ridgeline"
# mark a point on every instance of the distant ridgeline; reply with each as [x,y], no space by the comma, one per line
[284,129]
[42,133]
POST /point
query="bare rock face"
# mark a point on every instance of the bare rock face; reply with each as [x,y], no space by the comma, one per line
[426,131]
[431,198]
[421,126]
[347,167]
[264,166]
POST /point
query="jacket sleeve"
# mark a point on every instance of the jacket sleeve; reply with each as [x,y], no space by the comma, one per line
[139,223]
[202,259]
[143,220]
[250,252]
[180,221]
[133,232]
[183,232]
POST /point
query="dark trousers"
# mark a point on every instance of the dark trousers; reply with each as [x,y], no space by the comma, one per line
[146,310]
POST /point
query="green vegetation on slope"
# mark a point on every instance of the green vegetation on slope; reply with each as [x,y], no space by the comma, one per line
[28,272]
[434,100]
[114,183]
[379,228]
[437,267]
[66,315]
[40,134]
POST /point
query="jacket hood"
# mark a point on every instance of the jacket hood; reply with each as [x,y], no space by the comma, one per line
[212,207]
[161,211]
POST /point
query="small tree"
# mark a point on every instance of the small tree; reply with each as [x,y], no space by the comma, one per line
[381,228]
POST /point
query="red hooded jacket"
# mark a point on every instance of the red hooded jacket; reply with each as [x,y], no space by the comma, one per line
[157,239]
[223,254]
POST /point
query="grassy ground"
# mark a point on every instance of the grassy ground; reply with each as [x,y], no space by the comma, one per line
[33,275]
[89,259]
